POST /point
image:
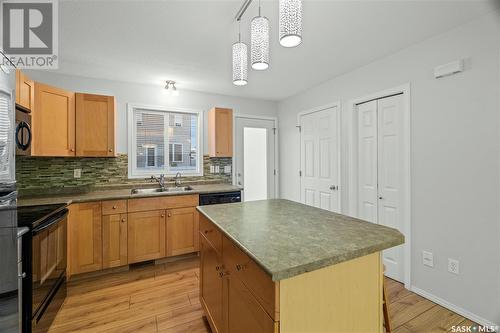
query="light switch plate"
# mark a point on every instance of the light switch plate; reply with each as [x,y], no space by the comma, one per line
[217,169]
[212,169]
[427,258]
[77,173]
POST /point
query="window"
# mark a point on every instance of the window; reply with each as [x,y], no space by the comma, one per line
[164,141]
[175,152]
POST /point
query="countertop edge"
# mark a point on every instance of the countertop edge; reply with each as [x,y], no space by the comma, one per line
[103,196]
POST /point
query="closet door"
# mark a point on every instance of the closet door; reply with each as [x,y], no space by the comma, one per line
[367,162]
[390,180]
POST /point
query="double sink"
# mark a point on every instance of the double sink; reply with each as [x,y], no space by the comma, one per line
[164,189]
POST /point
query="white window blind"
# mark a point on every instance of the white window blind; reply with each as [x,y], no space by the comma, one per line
[164,141]
[6,138]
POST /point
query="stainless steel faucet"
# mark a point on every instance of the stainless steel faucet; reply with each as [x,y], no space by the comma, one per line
[160,180]
[177,179]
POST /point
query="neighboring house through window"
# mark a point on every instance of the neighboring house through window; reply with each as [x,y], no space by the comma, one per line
[164,140]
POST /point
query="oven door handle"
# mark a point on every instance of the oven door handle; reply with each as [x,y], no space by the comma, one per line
[54,220]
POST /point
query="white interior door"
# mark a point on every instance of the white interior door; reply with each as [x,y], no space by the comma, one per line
[319,159]
[390,170]
[255,158]
[367,162]
[380,170]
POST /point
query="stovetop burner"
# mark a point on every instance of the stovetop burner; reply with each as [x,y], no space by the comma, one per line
[30,216]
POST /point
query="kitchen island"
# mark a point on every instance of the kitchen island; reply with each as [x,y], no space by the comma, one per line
[281,266]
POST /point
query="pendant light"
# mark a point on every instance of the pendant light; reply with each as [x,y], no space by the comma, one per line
[240,62]
[259,30]
[290,22]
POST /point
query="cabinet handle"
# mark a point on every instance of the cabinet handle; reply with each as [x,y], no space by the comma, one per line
[238,267]
[110,150]
[114,207]
[169,214]
[72,149]
[123,220]
[208,231]
[162,215]
[217,268]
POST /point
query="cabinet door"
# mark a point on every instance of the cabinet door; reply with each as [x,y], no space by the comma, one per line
[95,125]
[211,285]
[53,121]
[182,231]
[25,93]
[114,240]
[85,237]
[220,132]
[146,236]
[243,313]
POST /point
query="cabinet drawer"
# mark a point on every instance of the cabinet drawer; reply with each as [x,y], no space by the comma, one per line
[114,207]
[178,201]
[257,281]
[211,233]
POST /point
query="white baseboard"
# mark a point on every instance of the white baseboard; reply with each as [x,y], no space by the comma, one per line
[467,314]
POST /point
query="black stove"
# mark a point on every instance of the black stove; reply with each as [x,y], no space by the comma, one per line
[43,264]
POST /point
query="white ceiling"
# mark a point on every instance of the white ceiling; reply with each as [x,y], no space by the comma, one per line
[190,41]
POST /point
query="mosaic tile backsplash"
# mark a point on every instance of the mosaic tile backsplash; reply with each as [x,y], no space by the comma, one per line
[45,175]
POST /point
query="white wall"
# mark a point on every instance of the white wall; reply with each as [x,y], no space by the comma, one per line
[152,95]
[455,157]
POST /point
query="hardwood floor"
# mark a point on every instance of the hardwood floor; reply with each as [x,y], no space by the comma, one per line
[164,298]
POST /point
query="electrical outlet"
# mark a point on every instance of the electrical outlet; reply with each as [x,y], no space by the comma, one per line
[217,169]
[77,173]
[227,169]
[453,266]
[427,258]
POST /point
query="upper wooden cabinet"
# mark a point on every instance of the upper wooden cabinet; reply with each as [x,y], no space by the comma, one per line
[220,132]
[53,121]
[25,91]
[95,125]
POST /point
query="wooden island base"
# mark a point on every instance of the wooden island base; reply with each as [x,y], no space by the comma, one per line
[238,296]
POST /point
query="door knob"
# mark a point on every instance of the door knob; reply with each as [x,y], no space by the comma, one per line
[333,187]
[380,197]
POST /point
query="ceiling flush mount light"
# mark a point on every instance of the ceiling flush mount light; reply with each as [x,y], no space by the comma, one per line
[290,22]
[240,62]
[170,86]
[259,29]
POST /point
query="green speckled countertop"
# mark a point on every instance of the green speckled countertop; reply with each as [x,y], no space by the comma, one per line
[287,238]
[117,194]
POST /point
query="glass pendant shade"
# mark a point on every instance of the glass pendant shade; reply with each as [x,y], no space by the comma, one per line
[260,43]
[290,22]
[240,64]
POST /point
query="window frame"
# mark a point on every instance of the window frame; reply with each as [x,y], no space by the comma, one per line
[133,172]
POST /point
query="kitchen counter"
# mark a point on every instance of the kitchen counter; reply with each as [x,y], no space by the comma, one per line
[119,194]
[287,238]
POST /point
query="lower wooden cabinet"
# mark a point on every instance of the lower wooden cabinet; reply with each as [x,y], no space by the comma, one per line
[114,240]
[182,231]
[146,236]
[243,313]
[237,296]
[85,238]
[211,285]
[116,233]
